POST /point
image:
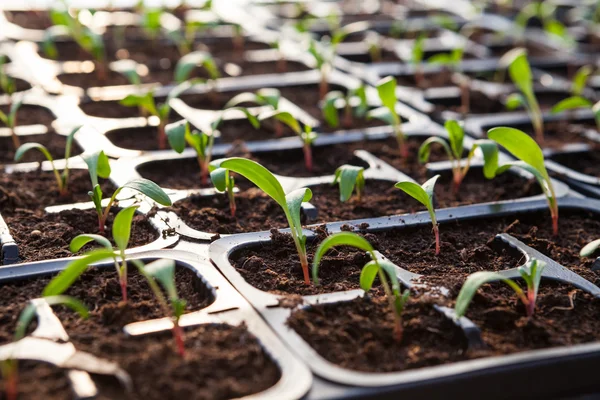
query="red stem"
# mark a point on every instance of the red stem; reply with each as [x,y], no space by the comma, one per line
[308,157]
[12,383]
[178,336]
[398,331]
[123,282]
[456,183]
[530,306]
[436,231]
[100,224]
[323,87]
[162,137]
[555,223]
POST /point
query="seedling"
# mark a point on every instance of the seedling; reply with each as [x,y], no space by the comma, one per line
[121,231]
[263,97]
[223,182]
[452,61]
[290,203]
[147,102]
[580,80]
[98,166]
[590,249]
[531,273]
[10,120]
[307,136]
[62,179]
[417,59]
[202,142]
[424,195]
[7,84]
[577,88]
[531,159]
[386,88]
[187,63]
[520,73]
[163,271]
[150,21]
[86,39]
[373,42]
[9,368]
[455,150]
[348,101]
[545,12]
[349,177]
[382,269]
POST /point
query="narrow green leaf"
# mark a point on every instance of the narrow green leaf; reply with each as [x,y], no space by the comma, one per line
[580,79]
[473,283]
[514,101]
[81,240]
[190,61]
[24,148]
[456,135]
[284,117]
[425,149]
[150,189]
[367,275]
[571,103]
[294,202]
[330,112]
[163,271]
[386,88]
[98,166]
[259,175]
[176,135]
[348,177]
[490,156]
[589,249]
[520,72]
[121,228]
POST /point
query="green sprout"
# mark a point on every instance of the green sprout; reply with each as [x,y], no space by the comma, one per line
[520,73]
[162,111]
[7,84]
[375,268]
[455,150]
[98,166]
[263,97]
[348,101]
[545,12]
[349,177]
[531,159]
[9,368]
[323,55]
[418,52]
[88,40]
[531,273]
[121,232]
[10,120]
[307,135]
[223,182]
[62,179]
[424,195]
[150,21]
[386,88]
[187,63]
[163,271]
[452,61]
[290,203]
[202,142]
[577,100]
[373,42]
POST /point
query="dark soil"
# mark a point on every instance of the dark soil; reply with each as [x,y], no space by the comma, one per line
[466,247]
[479,103]
[41,381]
[366,58]
[37,190]
[585,162]
[30,19]
[358,334]
[144,138]
[438,79]
[161,173]
[43,236]
[242,130]
[20,85]
[559,133]
[221,362]
[53,142]
[31,115]
[112,109]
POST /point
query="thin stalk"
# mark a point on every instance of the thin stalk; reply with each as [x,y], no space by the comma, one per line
[323,85]
[162,137]
[178,336]
[348,122]
[300,249]
[232,206]
[15,138]
[11,376]
[530,305]
[401,142]
[203,170]
[536,117]
[398,328]
[123,277]
[465,96]
[278,128]
[308,162]
[436,231]
[281,64]
[101,70]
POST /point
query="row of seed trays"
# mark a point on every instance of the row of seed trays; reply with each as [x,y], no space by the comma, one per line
[285,200]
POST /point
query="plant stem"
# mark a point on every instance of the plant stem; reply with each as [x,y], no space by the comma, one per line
[300,249]
[323,86]
[348,115]
[456,181]
[11,376]
[465,95]
[401,142]
[281,64]
[308,162]
[162,137]
[398,328]
[530,305]
[436,231]
[203,170]
[278,128]
[15,138]
[101,70]
[123,278]
[178,336]
[232,206]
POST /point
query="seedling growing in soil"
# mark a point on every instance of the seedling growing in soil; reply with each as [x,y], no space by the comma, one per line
[163,271]
[323,55]
[187,63]
[262,97]
[307,135]
[86,39]
[150,21]
[121,232]
[62,179]
[531,159]
[455,150]
[349,177]
[9,368]
[7,84]
[520,73]
[530,272]
[98,166]
[10,120]
[382,269]
[290,203]
[386,88]
[417,59]
[349,102]
[577,87]
[223,182]
[451,61]
[147,102]
[424,195]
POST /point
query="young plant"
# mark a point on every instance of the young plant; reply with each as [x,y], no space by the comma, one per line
[416,60]
[307,135]
[349,102]
[530,272]
[86,39]
[187,63]
[223,182]
[349,177]
[323,55]
[382,269]
[151,21]
[290,203]
[163,271]
[62,179]
[10,120]
[9,368]
[98,166]
[455,150]
[386,88]
[147,102]
[452,61]
[121,231]
[531,159]
[424,195]
[7,84]
[520,73]
[262,97]
[577,88]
